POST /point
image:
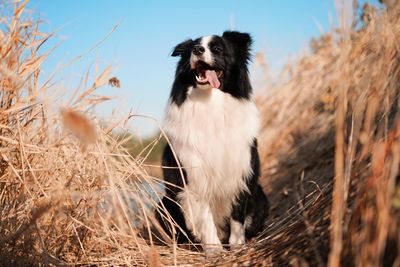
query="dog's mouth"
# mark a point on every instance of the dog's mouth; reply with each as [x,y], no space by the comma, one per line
[207,74]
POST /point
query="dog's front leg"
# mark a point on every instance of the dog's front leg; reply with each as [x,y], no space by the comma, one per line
[237,236]
[200,221]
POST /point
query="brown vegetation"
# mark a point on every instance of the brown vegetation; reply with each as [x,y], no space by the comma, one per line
[67,187]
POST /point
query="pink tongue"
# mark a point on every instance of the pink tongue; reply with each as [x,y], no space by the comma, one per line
[212,78]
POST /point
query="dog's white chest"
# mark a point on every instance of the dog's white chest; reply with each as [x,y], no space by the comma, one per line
[211,133]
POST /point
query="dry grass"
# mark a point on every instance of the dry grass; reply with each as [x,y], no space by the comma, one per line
[70,193]
[330,151]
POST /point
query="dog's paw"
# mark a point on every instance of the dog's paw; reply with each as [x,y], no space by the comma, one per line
[212,251]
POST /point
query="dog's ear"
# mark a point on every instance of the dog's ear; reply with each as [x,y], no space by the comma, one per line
[240,40]
[182,48]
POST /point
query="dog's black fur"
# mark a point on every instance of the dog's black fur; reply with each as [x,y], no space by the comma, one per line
[231,56]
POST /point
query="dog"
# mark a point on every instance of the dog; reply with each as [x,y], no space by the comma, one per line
[212,168]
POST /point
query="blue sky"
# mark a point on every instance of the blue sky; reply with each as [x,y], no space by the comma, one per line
[139,48]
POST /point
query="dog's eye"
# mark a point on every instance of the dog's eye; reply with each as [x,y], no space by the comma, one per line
[216,50]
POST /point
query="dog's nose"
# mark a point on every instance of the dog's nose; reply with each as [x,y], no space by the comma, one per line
[198,50]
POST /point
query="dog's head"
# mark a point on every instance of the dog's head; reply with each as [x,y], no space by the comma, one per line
[216,62]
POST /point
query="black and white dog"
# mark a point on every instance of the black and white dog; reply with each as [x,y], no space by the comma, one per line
[212,124]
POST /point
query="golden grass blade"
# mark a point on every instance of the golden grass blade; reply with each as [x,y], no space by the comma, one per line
[100,81]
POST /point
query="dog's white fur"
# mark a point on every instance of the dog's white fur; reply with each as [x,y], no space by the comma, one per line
[237,236]
[211,132]
[207,55]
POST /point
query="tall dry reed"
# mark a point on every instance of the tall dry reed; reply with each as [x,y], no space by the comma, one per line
[70,193]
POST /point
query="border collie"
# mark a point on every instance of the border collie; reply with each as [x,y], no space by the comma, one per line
[212,168]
